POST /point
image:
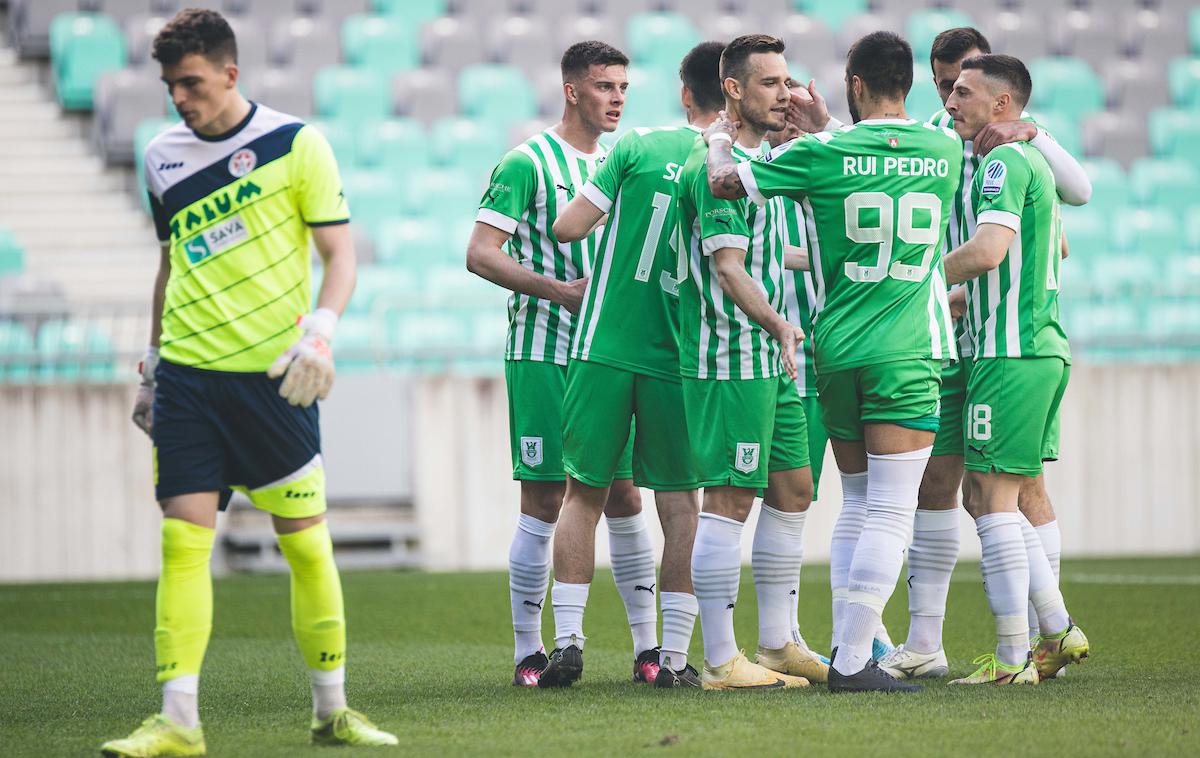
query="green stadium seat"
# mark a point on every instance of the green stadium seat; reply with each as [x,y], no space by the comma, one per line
[473,146]
[83,46]
[660,39]
[340,133]
[17,354]
[456,287]
[379,285]
[1089,234]
[398,145]
[455,192]
[1172,319]
[1064,127]
[1110,185]
[1066,85]
[359,346]
[411,242]
[1116,320]
[12,256]
[355,94]
[653,99]
[433,337]
[924,25]
[1175,133]
[1194,30]
[1165,183]
[923,100]
[415,12]
[1151,232]
[501,95]
[834,13]
[374,196]
[74,351]
[1179,276]
[1184,79]
[1191,224]
[385,44]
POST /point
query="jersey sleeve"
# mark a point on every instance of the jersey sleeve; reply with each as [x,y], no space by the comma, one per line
[319,193]
[1003,185]
[786,170]
[162,224]
[509,191]
[722,222]
[601,188]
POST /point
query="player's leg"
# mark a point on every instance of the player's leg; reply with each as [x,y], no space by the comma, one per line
[818,440]
[631,552]
[1034,503]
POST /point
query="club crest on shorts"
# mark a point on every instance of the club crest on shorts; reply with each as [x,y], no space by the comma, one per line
[746,457]
[531,451]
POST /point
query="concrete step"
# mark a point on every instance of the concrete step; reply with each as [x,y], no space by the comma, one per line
[55,219]
[21,94]
[60,183]
[37,128]
[16,76]
[22,167]
[42,108]
[83,238]
[36,147]
[19,203]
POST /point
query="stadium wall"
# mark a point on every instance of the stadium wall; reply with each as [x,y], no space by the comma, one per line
[77,500]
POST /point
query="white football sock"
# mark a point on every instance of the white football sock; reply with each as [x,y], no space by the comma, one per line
[632,555]
[1051,539]
[931,559]
[569,601]
[777,555]
[528,577]
[679,611]
[892,484]
[845,536]
[1044,595]
[180,697]
[716,573]
[1005,569]
[328,690]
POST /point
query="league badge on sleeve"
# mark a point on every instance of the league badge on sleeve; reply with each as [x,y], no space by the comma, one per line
[993,177]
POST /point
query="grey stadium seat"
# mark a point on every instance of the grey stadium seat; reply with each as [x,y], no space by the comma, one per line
[120,10]
[335,11]
[549,87]
[700,11]
[123,100]
[769,10]
[283,90]
[264,10]
[1089,35]
[252,43]
[1117,135]
[139,38]
[866,23]
[526,129]
[30,22]
[1133,85]
[580,28]
[425,94]
[725,27]
[809,41]
[521,41]
[1021,33]
[305,45]
[452,43]
[620,9]
[1154,35]
[551,10]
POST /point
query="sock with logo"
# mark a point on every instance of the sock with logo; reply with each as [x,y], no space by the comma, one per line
[632,555]
[528,579]
[931,560]
[716,573]
[183,612]
[777,555]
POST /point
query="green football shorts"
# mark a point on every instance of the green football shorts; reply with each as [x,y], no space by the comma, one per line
[730,423]
[904,393]
[949,440]
[535,421]
[1011,423]
[818,438]
[601,404]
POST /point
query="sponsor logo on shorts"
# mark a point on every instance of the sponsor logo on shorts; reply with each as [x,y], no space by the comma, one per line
[993,177]
[746,457]
[216,238]
[531,451]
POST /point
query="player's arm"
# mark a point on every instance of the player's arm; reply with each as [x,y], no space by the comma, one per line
[795,258]
[723,179]
[335,245]
[1065,250]
[980,254]
[486,258]
[1074,186]
[749,296]
[579,219]
[143,404]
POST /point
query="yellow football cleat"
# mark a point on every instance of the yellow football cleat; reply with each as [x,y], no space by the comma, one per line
[349,727]
[157,736]
[992,671]
[740,674]
[1053,653]
[795,660]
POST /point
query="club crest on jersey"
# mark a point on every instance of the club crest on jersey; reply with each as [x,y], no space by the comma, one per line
[746,457]
[993,177]
[531,451]
[242,162]
[215,239]
[893,142]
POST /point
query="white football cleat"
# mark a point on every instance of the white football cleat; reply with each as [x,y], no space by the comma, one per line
[908,664]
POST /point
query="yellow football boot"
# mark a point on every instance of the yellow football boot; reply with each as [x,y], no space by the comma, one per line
[992,671]
[794,660]
[740,674]
[157,736]
[1053,653]
[349,727]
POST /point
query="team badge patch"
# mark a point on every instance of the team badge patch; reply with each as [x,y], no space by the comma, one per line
[531,451]
[993,178]
[242,162]
[746,457]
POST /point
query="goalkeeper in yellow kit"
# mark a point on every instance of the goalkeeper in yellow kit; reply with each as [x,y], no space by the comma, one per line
[238,191]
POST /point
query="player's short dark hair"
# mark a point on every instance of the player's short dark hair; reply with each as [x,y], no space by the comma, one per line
[951,45]
[884,62]
[1007,69]
[700,72]
[735,61]
[582,55]
[195,30]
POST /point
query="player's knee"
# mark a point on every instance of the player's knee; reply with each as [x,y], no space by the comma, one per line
[624,499]
[542,500]
[939,486]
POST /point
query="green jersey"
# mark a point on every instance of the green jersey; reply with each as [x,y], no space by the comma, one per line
[630,314]
[717,340]
[878,196]
[533,181]
[800,299]
[1014,307]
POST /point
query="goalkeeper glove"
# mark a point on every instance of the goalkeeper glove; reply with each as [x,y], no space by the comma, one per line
[307,366]
[143,405]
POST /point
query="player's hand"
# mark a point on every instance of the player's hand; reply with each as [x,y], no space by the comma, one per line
[572,294]
[958,302]
[1001,133]
[307,366]
[143,404]
[789,337]
[807,110]
[723,125]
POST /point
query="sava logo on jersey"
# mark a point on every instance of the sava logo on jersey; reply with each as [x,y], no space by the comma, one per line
[215,239]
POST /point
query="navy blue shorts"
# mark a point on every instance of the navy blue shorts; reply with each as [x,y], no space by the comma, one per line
[214,430]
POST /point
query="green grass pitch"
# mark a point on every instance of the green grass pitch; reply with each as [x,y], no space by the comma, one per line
[430,659]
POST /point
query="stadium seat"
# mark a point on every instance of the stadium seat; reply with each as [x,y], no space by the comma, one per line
[1174,131]
[304,45]
[71,350]
[1064,129]
[119,10]
[1170,320]
[354,94]
[334,12]
[416,11]
[382,284]
[140,31]
[1089,235]
[924,25]
[17,354]
[1194,30]
[578,28]
[1164,183]
[30,24]
[457,192]
[1184,79]
[383,43]
[452,285]
[12,256]
[360,345]
[1110,185]
[923,100]
[856,26]
[1192,228]
[412,242]
[727,26]
[253,46]
[1154,35]
[653,98]
[501,95]
[809,40]
[472,146]
[1117,135]
[521,41]
[660,39]
[1148,231]
[1135,85]
[83,46]
[123,99]
[396,145]
[452,42]
[427,94]
[1021,32]
[374,197]
[342,135]
[1089,35]
[146,131]
[285,90]
[1067,85]
[431,337]
[833,13]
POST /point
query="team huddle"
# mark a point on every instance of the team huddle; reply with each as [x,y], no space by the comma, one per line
[703,308]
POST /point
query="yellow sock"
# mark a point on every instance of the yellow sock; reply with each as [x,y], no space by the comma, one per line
[183,608]
[318,619]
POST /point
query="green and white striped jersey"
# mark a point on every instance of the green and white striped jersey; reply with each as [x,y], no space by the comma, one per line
[717,340]
[630,314]
[1014,307]
[529,186]
[800,299]
[877,197]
